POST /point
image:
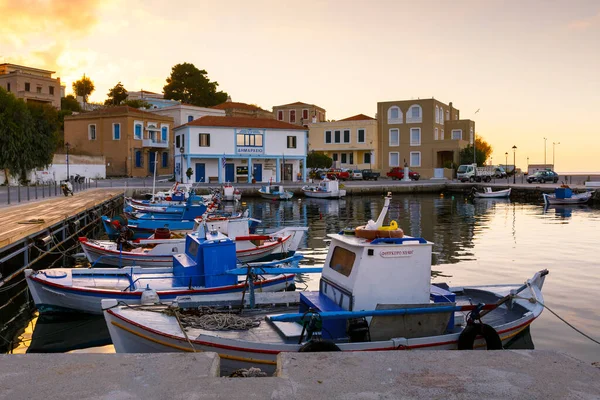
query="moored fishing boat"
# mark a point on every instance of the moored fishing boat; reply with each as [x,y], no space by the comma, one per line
[564,195]
[488,193]
[158,252]
[204,269]
[326,189]
[230,193]
[275,192]
[363,304]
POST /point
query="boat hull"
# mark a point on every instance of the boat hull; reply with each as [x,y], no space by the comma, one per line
[57,295]
[493,195]
[580,198]
[324,195]
[142,332]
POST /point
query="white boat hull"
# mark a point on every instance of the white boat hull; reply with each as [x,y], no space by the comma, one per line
[580,198]
[59,294]
[491,195]
[324,195]
[142,331]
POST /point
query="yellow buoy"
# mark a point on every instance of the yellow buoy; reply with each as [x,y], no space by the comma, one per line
[392,227]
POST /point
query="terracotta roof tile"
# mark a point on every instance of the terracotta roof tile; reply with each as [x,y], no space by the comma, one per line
[232,104]
[242,122]
[359,117]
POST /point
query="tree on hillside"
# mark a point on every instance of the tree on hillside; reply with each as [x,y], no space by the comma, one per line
[191,85]
[69,103]
[116,95]
[137,103]
[28,135]
[483,151]
[83,87]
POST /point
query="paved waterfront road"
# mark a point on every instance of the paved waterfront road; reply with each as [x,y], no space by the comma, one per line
[29,194]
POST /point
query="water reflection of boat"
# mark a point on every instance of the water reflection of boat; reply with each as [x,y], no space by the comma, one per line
[326,206]
[58,333]
[566,210]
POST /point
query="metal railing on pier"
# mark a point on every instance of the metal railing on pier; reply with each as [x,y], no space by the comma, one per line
[14,194]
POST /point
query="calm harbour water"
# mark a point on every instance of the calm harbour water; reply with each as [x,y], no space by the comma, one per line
[487,241]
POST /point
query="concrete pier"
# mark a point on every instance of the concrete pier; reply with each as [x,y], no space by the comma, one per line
[510,374]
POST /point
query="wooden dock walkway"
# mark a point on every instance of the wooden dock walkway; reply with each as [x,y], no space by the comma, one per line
[17,222]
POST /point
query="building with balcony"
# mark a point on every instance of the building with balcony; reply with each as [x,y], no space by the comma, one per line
[240,149]
[243,110]
[350,142]
[184,113]
[299,113]
[424,134]
[132,141]
[31,84]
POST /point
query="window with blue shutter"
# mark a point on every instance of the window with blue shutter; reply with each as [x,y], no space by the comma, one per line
[163,131]
[165,159]
[116,131]
[138,158]
[190,118]
[137,134]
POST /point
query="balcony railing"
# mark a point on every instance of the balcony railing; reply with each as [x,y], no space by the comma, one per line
[153,143]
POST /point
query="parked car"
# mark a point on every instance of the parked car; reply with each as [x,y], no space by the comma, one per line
[356,174]
[543,177]
[369,174]
[398,173]
[500,173]
[339,174]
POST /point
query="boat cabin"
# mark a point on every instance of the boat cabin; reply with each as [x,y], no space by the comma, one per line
[327,185]
[272,189]
[361,274]
[208,255]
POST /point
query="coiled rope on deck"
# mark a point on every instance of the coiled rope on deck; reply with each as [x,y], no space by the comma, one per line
[212,320]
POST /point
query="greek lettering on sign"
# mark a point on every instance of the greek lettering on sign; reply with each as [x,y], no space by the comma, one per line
[396,253]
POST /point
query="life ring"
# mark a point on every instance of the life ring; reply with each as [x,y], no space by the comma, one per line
[317,346]
[470,333]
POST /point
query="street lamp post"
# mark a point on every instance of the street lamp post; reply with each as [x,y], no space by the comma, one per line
[506,165]
[67,145]
[553,144]
[545,139]
[181,150]
[514,164]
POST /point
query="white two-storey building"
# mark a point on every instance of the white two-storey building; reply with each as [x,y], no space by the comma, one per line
[235,149]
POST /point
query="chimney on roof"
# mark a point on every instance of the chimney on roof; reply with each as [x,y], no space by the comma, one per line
[451,111]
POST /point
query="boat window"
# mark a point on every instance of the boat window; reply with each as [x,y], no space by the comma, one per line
[342,261]
[193,249]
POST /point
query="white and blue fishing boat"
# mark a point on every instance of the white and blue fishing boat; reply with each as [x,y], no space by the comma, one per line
[275,192]
[373,295]
[565,195]
[203,270]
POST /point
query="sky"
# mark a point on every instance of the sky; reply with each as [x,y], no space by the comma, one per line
[531,67]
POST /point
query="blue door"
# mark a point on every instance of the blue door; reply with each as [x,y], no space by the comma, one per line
[200,172]
[257,174]
[229,173]
[151,162]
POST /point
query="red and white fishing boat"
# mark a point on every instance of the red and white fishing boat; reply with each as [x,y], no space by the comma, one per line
[364,304]
[158,252]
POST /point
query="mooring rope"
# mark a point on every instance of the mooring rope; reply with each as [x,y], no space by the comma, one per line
[534,300]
